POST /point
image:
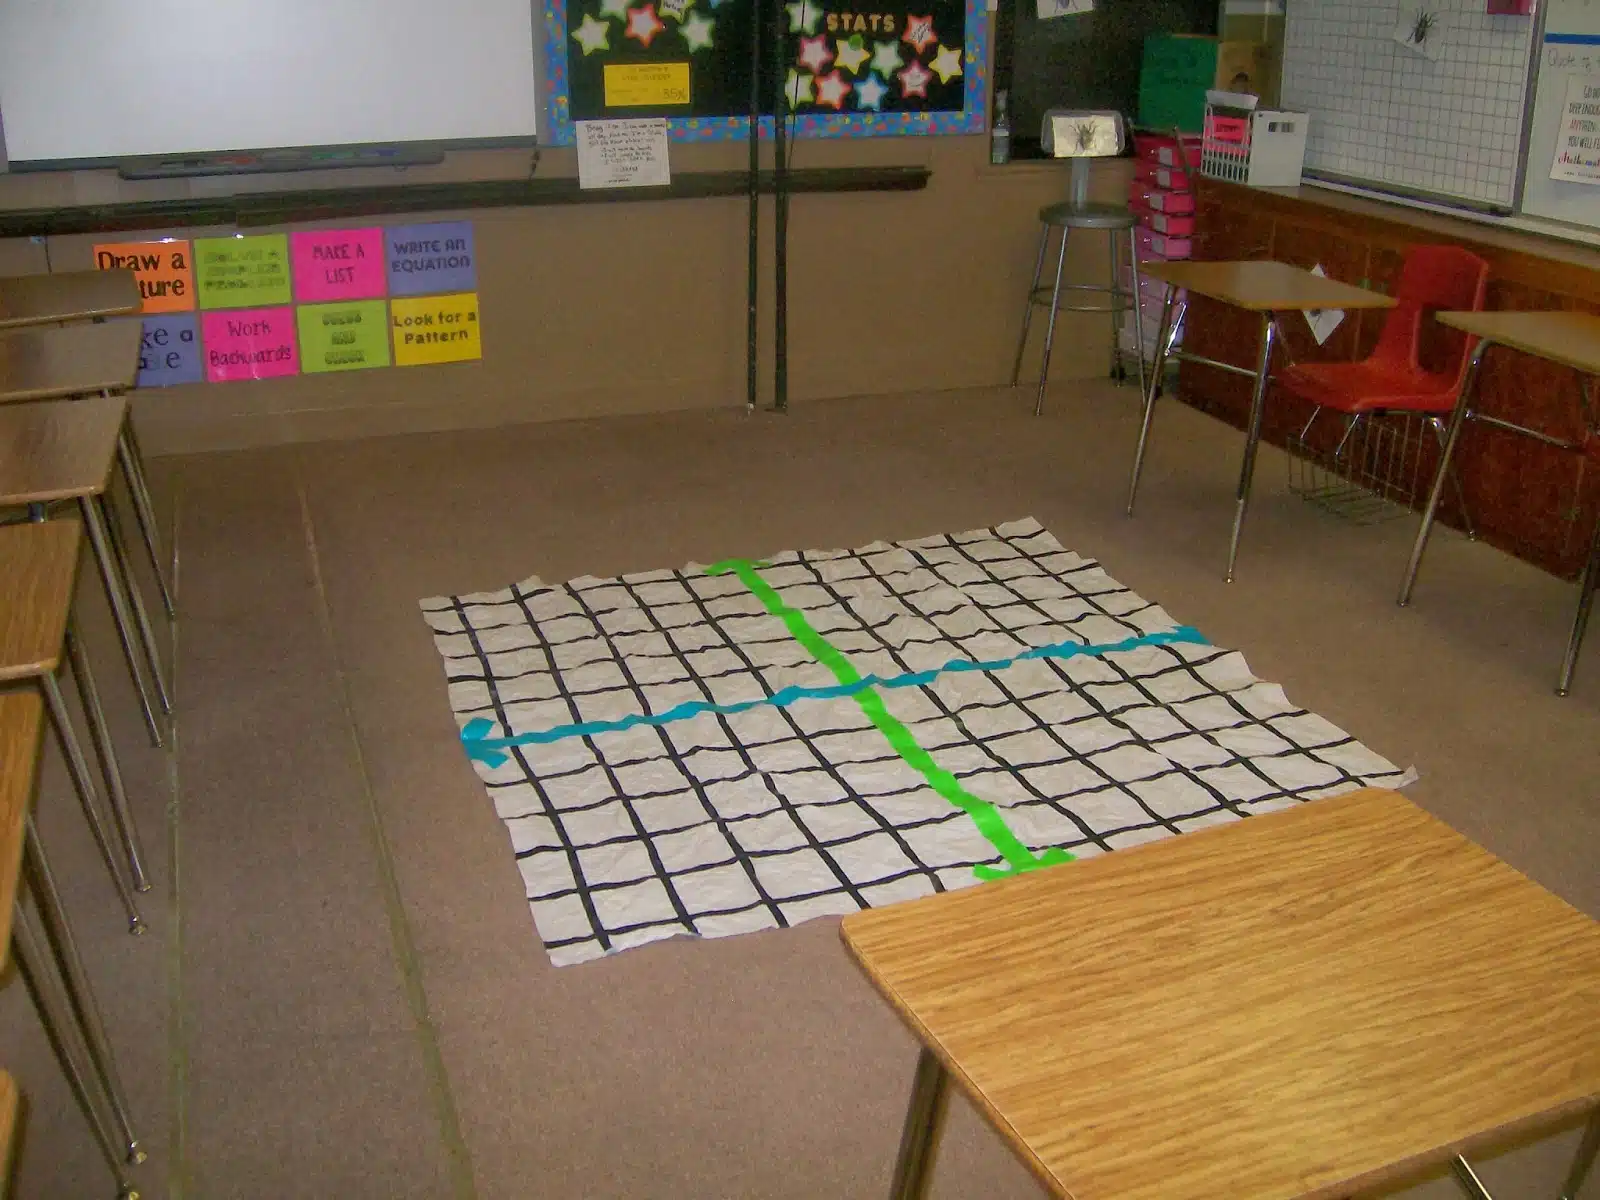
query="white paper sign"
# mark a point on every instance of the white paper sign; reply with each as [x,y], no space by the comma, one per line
[1063,8]
[1578,136]
[615,154]
[1323,321]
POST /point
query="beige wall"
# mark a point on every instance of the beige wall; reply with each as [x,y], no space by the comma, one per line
[610,308]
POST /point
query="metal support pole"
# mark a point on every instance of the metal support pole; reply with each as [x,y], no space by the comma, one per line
[780,214]
[753,261]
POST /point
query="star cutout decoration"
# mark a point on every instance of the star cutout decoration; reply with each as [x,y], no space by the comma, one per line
[697,32]
[643,24]
[870,93]
[914,81]
[919,34]
[852,53]
[592,35]
[886,58]
[804,15]
[947,63]
[675,9]
[797,88]
[614,8]
[832,89]
[814,53]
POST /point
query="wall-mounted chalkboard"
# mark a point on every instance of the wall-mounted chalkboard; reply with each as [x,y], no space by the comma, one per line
[845,69]
[1081,60]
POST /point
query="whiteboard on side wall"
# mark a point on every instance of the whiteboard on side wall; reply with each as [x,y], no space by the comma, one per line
[1570,50]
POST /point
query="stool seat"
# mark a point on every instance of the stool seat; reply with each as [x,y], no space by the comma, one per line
[1087,216]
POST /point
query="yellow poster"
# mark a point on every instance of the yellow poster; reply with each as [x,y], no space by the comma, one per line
[435,329]
[631,84]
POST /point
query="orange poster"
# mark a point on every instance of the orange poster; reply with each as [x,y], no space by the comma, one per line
[165,271]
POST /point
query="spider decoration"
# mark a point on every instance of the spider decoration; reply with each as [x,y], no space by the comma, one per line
[1084,135]
[1422,27]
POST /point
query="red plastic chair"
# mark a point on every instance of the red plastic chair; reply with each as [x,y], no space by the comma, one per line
[1393,378]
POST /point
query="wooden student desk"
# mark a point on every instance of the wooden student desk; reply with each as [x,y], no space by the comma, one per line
[76,360]
[68,296]
[1570,339]
[1295,1005]
[1266,288]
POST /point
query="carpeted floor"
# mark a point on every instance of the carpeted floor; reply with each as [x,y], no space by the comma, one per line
[342,994]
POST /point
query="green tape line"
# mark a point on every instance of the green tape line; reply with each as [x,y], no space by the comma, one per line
[984,815]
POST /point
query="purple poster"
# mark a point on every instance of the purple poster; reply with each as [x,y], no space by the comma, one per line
[428,259]
[170,352]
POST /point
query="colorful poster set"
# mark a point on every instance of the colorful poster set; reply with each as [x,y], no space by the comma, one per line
[894,67]
[263,305]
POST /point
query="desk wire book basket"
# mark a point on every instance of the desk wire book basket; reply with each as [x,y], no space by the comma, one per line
[1372,470]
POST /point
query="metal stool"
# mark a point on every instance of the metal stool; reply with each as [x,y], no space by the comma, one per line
[1080,137]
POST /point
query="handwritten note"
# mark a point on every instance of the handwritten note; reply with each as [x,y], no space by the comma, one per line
[170,350]
[631,85]
[1578,137]
[435,329]
[337,264]
[1323,321]
[623,154]
[435,257]
[343,337]
[164,270]
[242,272]
[253,343]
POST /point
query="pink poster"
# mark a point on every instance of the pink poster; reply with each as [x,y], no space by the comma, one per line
[250,343]
[337,264]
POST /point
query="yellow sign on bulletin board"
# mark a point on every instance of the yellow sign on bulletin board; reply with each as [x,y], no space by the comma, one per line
[646,83]
[435,329]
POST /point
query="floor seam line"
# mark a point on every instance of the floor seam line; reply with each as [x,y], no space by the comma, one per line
[402,945]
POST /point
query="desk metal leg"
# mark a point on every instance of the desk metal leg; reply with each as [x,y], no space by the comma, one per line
[1458,418]
[1166,336]
[1252,437]
[1050,325]
[145,513]
[1468,1179]
[1580,621]
[54,1016]
[1583,1161]
[119,610]
[147,635]
[919,1140]
[109,767]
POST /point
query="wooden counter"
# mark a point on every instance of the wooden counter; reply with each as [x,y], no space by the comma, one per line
[1529,499]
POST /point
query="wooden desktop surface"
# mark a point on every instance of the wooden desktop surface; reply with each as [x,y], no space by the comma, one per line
[76,360]
[1263,286]
[21,728]
[58,449]
[38,568]
[1569,338]
[1298,1005]
[68,296]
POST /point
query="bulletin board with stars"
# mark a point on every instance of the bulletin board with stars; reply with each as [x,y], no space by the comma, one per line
[854,68]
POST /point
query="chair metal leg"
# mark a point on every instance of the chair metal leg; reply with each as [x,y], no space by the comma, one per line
[1050,328]
[1138,309]
[147,635]
[100,731]
[1166,336]
[119,611]
[145,514]
[919,1138]
[1583,1160]
[1458,418]
[83,783]
[54,1016]
[1252,437]
[1027,310]
[47,898]
[1580,620]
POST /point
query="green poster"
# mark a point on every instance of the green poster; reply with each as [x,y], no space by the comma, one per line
[242,272]
[343,337]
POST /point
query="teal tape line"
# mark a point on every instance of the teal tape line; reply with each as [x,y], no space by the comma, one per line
[490,750]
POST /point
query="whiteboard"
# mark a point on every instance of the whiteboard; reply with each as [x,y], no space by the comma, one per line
[111,79]
[1447,123]
[1570,48]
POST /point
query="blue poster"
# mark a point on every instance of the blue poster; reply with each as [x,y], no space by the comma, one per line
[425,260]
[170,352]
